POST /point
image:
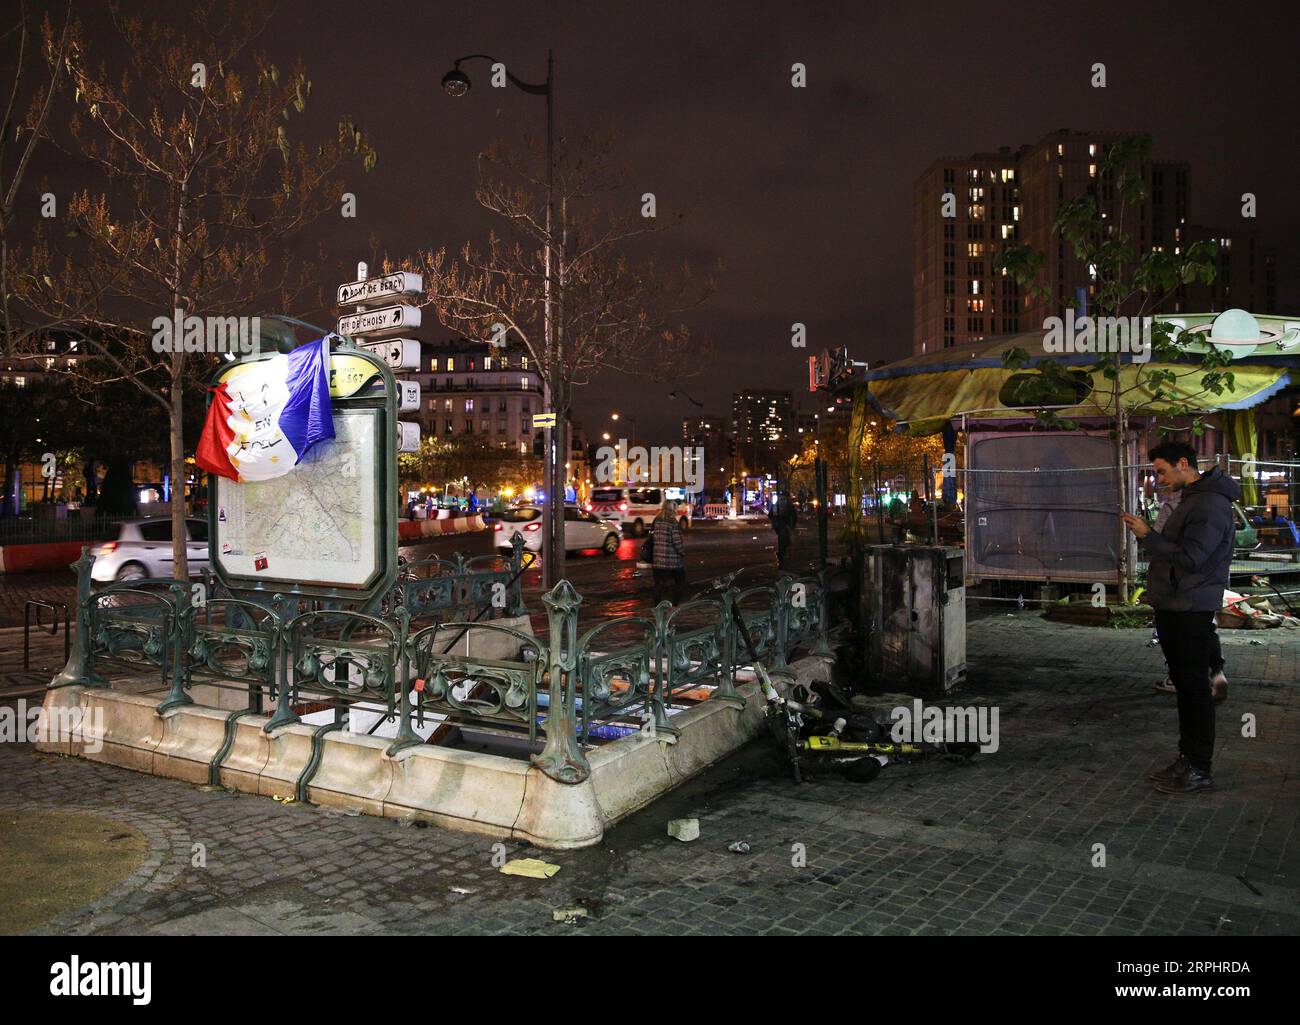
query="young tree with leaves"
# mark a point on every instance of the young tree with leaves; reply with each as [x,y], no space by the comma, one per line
[1126,282]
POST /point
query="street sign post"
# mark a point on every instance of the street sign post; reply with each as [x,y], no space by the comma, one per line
[408,436]
[387,320]
[386,287]
[543,420]
[398,353]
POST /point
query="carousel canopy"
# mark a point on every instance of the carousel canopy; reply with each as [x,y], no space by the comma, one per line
[924,392]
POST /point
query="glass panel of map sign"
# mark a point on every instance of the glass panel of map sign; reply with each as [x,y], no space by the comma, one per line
[317,524]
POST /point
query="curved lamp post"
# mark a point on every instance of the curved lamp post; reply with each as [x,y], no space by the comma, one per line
[457,83]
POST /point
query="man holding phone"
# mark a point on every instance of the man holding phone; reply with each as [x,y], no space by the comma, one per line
[1189,560]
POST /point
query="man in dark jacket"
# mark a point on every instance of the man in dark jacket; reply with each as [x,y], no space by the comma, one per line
[783,518]
[1188,571]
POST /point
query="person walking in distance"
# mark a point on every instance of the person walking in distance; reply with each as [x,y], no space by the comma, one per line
[669,558]
[783,518]
[1188,572]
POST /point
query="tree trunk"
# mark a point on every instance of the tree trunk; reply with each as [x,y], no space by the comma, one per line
[176,408]
[180,559]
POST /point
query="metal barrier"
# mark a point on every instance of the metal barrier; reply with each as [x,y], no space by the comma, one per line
[54,607]
[558,690]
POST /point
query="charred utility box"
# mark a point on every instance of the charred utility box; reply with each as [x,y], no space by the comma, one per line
[918,617]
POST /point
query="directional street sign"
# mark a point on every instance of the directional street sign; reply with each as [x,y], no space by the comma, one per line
[389,320]
[408,436]
[398,353]
[543,419]
[408,396]
[384,287]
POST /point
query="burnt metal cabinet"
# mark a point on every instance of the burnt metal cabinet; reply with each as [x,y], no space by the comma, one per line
[918,617]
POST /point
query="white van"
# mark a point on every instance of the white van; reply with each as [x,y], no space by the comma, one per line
[634,508]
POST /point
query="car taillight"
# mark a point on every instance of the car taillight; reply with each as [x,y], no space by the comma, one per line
[533,526]
[622,507]
[105,548]
[497,527]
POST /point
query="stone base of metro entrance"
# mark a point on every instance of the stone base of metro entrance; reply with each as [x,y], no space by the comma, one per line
[459,789]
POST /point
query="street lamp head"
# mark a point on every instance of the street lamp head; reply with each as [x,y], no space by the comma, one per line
[456,82]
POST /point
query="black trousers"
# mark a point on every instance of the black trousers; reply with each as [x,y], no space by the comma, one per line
[676,579]
[1216,653]
[782,547]
[1190,646]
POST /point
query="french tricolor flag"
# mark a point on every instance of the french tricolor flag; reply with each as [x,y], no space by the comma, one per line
[266,415]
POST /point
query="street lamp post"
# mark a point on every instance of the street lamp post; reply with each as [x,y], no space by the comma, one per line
[631,444]
[457,83]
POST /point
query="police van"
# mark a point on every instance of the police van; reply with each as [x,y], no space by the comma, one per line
[636,508]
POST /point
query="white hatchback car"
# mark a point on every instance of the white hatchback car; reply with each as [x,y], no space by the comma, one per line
[143,550]
[582,530]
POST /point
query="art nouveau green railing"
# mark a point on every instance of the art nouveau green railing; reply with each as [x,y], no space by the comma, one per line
[553,691]
[493,690]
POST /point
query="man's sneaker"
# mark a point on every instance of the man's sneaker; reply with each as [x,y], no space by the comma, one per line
[1219,686]
[1193,781]
[1167,687]
[1170,774]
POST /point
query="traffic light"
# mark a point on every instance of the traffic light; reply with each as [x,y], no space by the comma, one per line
[539,444]
[731,447]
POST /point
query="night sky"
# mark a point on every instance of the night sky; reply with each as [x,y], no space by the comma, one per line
[804,194]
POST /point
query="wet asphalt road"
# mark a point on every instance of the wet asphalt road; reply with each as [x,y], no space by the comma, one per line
[610,585]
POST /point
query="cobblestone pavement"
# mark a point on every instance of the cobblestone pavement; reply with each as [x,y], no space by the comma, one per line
[1003,845]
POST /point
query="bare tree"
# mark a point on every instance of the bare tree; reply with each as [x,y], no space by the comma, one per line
[611,311]
[21,134]
[199,183]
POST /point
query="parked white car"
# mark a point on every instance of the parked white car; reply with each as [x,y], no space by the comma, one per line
[582,530]
[143,550]
[635,508]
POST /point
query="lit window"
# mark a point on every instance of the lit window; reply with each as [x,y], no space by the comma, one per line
[433,365]
[1092,149]
[523,362]
[523,382]
[1092,170]
[1060,149]
[451,364]
[469,405]
[487,362]
[20,382]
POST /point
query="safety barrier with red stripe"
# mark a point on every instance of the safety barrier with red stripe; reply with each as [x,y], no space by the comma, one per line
[36,558]
[409,530]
